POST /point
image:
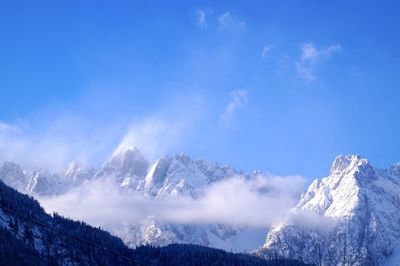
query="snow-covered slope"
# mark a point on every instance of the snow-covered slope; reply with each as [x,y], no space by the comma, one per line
[364,204]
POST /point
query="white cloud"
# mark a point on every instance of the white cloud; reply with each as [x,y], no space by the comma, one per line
[65,140]
[239,98]
[50,141]
[51,147]
[154,136]
[201,15]
[8,128]
[311,57]
[232,23]
[310,219]
[265,51]
[256,202]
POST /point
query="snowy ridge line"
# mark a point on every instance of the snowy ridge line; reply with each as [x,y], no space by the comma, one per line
[65,234]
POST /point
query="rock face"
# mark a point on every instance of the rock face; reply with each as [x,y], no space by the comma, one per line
[363,201]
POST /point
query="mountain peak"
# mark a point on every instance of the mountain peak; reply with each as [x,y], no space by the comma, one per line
[361,202]
[11,166]
[346,163]
[125,156]
[12,174]
[126,151]
[125,162]
[73,168]
[394,170]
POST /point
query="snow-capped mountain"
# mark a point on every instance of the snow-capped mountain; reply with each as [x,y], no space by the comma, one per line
[174,175]
[42,182]
[126,166]
[12,175]
[363,206]
[169,176]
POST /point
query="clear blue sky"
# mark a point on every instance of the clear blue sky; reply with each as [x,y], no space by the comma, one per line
[282,86]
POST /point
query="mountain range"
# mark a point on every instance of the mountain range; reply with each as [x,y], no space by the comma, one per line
[350,217]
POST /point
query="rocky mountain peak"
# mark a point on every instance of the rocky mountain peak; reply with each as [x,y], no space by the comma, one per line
[363,202]
[352,166]
[127,162]
[12,174]
[346,163]
[73,169]
[10,168]
[394,170]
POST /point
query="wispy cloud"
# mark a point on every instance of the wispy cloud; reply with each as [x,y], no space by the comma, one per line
[52,141]
[311,57]
[54,146]
[202,15]
[258,202]
[57,145]
[266,50]
[238,99]
[8,129]
[154,135]
[229,22]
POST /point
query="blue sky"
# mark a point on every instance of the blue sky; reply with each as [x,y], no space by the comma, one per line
[282,86]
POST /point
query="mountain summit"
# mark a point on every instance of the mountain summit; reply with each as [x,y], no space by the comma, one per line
[123,164]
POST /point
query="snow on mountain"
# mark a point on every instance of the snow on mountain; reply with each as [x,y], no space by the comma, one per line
[221,236]
[125,165]
[350,217]
[364,202]
[76,173]
[42,182]
[172,176]
[45,183]
[179,175]
[169,175]
[12,175]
